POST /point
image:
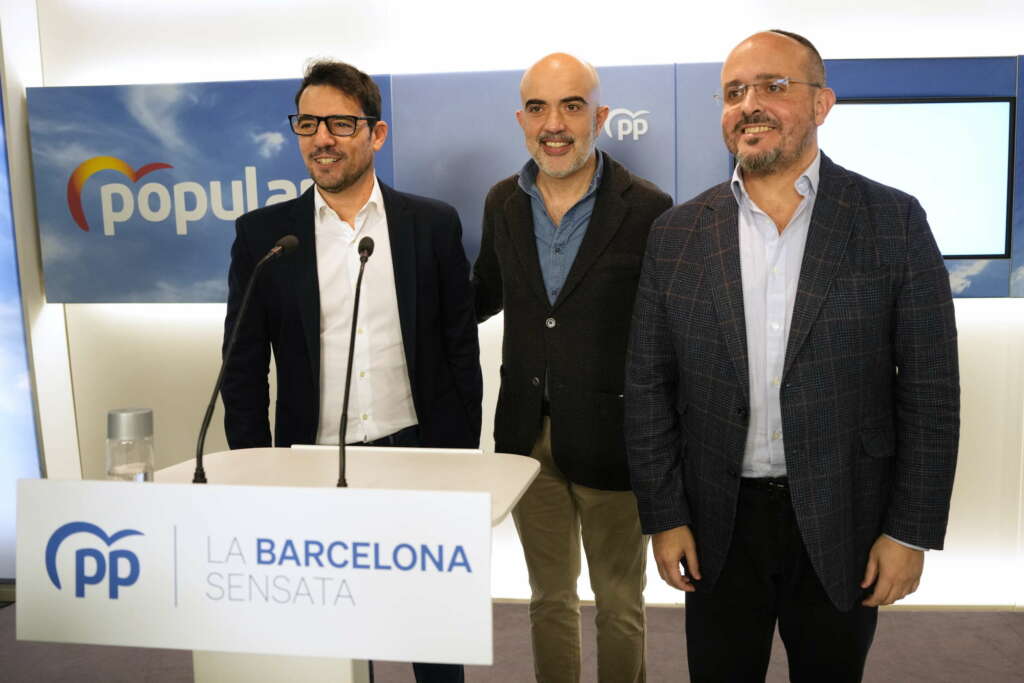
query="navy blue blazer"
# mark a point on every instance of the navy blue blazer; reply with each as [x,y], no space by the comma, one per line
[870,386]
[435,305]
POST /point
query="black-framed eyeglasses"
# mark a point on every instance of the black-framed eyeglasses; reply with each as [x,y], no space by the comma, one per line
[770,89]
[339,125]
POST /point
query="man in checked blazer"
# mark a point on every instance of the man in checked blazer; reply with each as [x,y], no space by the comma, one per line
[792,394]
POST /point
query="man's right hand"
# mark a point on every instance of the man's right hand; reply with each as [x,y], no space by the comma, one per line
[672,546]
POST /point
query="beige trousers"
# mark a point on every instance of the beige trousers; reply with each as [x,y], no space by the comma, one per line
[550,518]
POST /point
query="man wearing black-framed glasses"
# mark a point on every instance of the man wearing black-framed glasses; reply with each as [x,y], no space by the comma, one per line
[416,373]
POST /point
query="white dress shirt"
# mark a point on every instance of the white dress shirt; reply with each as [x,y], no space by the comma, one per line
[380,401]
[770,267]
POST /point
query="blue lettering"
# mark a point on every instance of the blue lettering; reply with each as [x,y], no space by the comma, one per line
[81,578]
[288,553]
[398,560]
[360,552]
[330,554]
[312,554]
[376,558]
[437,560]
[264,551]
[116,578]
[459,559]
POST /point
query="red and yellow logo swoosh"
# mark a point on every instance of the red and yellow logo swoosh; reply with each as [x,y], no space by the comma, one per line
[85,170]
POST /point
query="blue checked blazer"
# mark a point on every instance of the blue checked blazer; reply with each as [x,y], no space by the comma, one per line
[870,388]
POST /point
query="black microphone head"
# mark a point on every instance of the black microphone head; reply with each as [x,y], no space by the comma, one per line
[287,243]
[366,247]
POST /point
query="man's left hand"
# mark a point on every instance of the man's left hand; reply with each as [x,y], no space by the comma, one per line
[895,570]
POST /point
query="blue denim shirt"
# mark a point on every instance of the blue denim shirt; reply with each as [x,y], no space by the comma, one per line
[557,245]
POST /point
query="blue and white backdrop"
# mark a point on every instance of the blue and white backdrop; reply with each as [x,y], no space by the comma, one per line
[137,186]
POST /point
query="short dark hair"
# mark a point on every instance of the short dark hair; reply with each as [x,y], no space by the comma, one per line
[816,63]
[345,78]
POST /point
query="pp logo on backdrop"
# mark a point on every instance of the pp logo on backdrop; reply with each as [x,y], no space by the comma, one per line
[625,123]
[119,567]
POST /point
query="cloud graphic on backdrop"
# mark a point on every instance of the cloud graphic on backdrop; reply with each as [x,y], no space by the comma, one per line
[87,168]
[55,248]
[1017,281]
[156,109]
[59,156]
[212,290]
[269,143]
[960,276]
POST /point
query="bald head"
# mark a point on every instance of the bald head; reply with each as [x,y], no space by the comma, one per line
[811,63]
[564,69]
[562,116]
[771,131]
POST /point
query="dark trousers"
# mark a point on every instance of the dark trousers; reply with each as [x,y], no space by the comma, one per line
[768,578]
[425,673]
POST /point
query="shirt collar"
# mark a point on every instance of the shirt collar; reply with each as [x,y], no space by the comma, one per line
[374,203]
[806,184]
[528,177]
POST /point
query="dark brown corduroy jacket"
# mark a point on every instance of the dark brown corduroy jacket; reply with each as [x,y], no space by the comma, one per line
[579,342]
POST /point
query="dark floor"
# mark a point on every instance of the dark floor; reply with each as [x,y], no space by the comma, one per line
[910,646]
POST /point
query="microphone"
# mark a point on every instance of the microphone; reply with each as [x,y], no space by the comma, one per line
[282,246]
[365,250]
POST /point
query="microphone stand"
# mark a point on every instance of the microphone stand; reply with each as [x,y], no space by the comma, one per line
[365,249]
[284,244]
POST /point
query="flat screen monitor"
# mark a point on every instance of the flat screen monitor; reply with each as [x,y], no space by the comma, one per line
[955,155]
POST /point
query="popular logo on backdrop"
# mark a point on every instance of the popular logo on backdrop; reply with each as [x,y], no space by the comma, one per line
[626,123]
[85,171]
[186,202]
[92,565]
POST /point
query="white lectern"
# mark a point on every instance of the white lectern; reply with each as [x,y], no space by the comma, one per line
[504,477]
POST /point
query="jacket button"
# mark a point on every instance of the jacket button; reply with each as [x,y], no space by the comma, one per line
[742,412]
[550,322]
[535,381]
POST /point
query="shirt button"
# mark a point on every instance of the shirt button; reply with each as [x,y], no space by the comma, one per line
[775,381]
[362,373]
[776,435]
[365,417]
[360,330]
[550,322]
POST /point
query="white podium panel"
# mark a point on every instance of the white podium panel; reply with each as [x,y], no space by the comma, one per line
[314,572]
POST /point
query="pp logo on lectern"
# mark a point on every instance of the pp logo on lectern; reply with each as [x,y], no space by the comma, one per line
[119,567]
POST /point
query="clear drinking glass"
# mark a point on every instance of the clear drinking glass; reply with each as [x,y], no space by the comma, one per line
[130,453]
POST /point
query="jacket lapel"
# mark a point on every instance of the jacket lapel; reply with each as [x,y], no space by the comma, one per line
[519,224]
[303,276]
[609,212]
[827,237]
[402,234]
[719,226]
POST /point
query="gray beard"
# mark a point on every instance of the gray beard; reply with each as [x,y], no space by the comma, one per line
[762,163]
